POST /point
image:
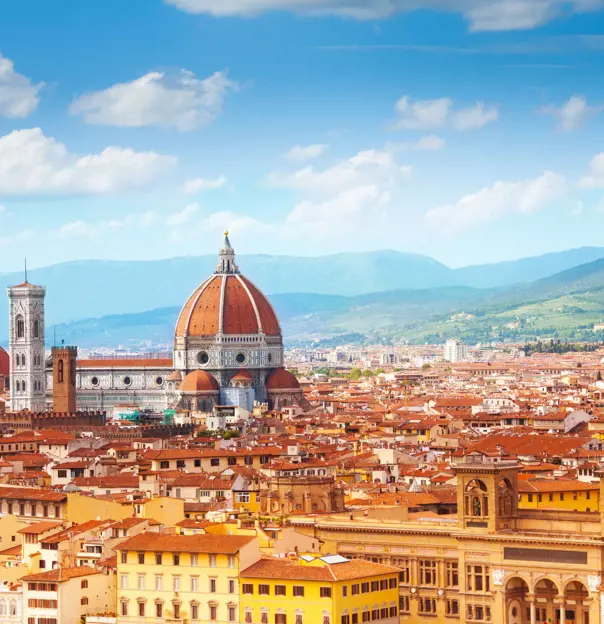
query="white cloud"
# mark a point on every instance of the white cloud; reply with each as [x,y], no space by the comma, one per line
[18,96]
[366,167]
[595,178]
[430,143]
[481,14]
[180,101]
[190,187]
[573,113]
[494,202]
[184,216]
[77,229]
[34,164]
[307,152]
[431,114]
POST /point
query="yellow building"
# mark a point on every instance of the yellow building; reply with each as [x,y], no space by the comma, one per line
[559,494]
[493,562]
[318,590]
[182,578]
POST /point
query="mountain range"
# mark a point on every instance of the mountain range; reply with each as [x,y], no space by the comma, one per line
[384,293]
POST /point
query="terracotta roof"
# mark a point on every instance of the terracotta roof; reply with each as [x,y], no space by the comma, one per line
[230,302]
[199,381]
[285,569]
[61,574]
[224,544]
[40,527]
[281,379]
[35,494]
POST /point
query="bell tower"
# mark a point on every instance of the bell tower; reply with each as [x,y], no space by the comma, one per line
[487,493]
[64,379]
[26,339]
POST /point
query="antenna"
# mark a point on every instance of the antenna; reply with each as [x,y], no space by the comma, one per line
[54,335]
[25,270]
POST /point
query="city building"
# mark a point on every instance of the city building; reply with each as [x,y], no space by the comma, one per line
[455,351]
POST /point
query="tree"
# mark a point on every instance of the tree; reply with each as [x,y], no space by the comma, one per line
[599,376]
[355,374]
[426,366]
[367,373]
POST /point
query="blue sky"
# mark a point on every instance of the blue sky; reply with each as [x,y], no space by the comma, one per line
[143,129]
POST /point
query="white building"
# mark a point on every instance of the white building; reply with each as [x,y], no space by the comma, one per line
[455,351]
[26,339]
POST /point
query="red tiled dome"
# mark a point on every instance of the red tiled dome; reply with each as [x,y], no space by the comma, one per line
[242,376]
[281,379]
[229,302]
[199,381]
[4,363]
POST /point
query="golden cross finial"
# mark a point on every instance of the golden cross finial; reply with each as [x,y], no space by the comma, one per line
[226,232]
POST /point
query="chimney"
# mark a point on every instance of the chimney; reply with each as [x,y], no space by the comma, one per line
[64,379]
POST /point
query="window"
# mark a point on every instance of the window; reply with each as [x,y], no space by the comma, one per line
[392,582]
[280,618]
[384,584]
[212,585]
[141,582]
[247,588]
[562,496]
[478,578]
[141,558]
[195,583]
[62,474]
[427,605]
[164,465]
[479,613]
[264,590]
[242,497]
[231,614]
[427,572]
[176,610]
[215,461]
[84,584]
[231,561]
[403,604]
[451,574]
[452,607]
[159,582]
[345,618]
[36,328]
[124,581]
[158,558]
[159,609]
[325,592]
[84,601]
[212,561]
[194,611]
[124,607]
[344,591]
[280,590]
[247,616]
[213,613]
[141,609]
[124,557]
[180,463]
[60,372]
[176,560]
[530,498]
[298,619]
[20,327]
[375,586]
[298,590]
[393,611]
[364,588]
[263,617]
[176,583]
[551,497]
[355,589]
[231,586]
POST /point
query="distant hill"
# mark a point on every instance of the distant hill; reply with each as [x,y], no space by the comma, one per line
[345,291]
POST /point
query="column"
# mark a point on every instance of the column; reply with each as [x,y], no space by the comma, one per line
[562,612]
[533,609]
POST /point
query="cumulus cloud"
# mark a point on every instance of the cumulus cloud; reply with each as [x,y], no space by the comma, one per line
[367,167]
[183,216]
[440,113]
[573,113]
[430,143]
[305,152]
[196,185]
[496,201]
[483,15]
[34,164]
[180,101]
[595,177]
[18,95]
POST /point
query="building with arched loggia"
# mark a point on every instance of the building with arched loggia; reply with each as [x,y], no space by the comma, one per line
[492,562]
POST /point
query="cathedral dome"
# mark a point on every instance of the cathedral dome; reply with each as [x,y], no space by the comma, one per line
[281,379]
[4,363]
[199,381]
[227,303]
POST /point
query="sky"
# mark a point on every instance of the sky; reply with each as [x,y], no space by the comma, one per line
[471,131]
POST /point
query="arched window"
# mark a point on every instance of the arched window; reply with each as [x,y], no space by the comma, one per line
[13,607]
[20,327]
[23,360]
[23,386]
[60,371]
[36,328]
[17,360]
[2,607]
[18,386]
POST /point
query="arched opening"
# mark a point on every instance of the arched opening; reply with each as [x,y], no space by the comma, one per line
[505,494]
[576,603]
[60,371]
[476,499]
[36,328]
[20,324]
[546,601]
[516,606]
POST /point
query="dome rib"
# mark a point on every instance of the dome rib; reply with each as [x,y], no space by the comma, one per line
[253,302]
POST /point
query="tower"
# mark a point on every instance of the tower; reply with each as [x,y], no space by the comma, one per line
[64,379]
[26,339]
